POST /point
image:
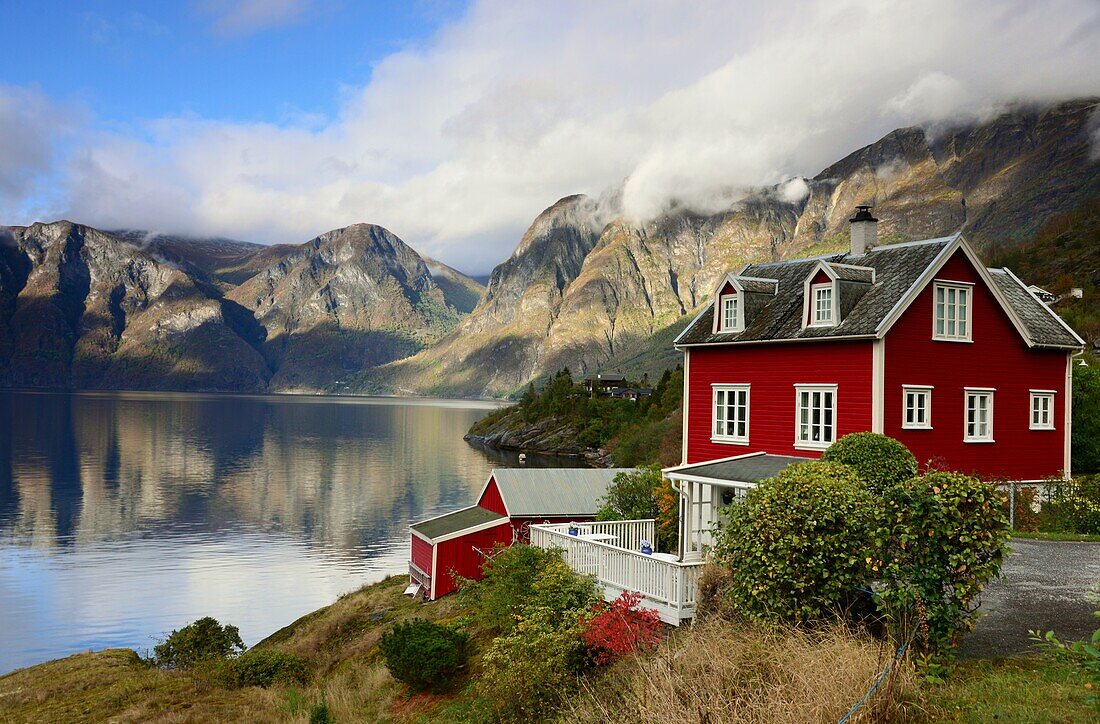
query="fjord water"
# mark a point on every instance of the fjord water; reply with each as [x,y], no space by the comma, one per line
[125,515]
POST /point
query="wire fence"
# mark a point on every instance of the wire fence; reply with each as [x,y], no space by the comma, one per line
[1052,505]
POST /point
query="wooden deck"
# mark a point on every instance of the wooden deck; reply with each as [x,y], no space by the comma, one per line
[611,552]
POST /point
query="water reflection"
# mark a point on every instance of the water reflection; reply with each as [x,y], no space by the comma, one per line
[125,515]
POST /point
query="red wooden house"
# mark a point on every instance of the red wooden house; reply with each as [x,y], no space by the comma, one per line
[919,341]
[512,499]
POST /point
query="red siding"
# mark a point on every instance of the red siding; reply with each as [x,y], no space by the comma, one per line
[772,370]
[458,556]
[422,554]
[998,357]
[491,500]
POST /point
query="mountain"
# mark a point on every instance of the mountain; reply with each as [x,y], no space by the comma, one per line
[461,292]
[349,299]
[85,308]
[82,308]
[591,290]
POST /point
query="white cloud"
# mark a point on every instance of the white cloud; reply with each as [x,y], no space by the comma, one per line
[245,17]
[30,128]
[457,144]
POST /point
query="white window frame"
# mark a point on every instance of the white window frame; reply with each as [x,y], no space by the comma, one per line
[975,393]
[808,443]
[724,391]
[1048,397]
[726,325]
[815,291]
[918,392]
[967,318]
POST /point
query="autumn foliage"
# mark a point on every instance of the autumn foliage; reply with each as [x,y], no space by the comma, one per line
[621,628]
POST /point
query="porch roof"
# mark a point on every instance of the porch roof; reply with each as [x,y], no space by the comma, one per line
[743,469]
[459,521]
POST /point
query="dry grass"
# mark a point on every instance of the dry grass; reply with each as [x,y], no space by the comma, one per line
[721,672]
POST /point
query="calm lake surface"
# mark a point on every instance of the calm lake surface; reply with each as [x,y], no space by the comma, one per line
[125,515]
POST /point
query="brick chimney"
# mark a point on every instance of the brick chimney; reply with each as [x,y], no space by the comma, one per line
[864,231]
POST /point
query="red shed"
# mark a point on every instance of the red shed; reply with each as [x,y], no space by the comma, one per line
[512,499]
[546,495]
[454,544]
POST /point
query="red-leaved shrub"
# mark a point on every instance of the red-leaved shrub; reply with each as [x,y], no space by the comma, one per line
[621,628]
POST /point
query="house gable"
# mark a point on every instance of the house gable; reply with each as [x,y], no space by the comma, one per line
[490,497]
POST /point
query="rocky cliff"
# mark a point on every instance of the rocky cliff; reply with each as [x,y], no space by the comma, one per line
[89,309]
[83,308]
[589,290]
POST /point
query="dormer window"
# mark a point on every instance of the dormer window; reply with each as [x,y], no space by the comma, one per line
[729,314]
[822,310]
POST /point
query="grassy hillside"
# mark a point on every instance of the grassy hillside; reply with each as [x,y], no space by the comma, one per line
[798,675]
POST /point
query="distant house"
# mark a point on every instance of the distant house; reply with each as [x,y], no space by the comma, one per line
[630,393]
[511,501]
[603,383]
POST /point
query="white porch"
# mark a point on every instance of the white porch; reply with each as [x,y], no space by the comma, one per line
[611,551]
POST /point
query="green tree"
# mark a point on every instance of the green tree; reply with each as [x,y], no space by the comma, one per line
[1085,441]
[202,641]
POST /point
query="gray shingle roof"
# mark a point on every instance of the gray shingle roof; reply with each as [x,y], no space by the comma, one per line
[897,268]
[454,522]
[751,469]
[848,273]
[1039,320]
[554,491]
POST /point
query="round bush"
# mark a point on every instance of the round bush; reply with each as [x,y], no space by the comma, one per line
[799,546]
[264,668]
[879,461]
[202,641]
[424,655]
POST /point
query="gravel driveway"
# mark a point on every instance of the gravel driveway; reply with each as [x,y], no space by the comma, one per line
[1044,588]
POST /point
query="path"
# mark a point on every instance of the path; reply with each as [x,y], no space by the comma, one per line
[1044,588]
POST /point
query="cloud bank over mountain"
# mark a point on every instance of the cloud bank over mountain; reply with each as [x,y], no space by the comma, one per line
[455,143]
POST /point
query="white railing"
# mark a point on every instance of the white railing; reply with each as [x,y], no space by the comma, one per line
[668,586]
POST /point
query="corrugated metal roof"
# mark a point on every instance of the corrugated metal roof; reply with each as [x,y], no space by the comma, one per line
[749,469]
[554,491]
[454,522]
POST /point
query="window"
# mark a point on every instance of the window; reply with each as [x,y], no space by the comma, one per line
[1042,410]
[979,415]
[916,407]
[731,414]
[823,305]
[816,421]
[952,312]
[729,314]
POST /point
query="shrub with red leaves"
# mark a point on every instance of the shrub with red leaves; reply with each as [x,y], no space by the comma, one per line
[621,628]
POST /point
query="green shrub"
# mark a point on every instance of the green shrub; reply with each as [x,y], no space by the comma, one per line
[533,667]
[879,461]
[423,654]
[799,546]
[264,667]
[944,539]
[319,714]
[521,577]
[203,641]
[1072,506]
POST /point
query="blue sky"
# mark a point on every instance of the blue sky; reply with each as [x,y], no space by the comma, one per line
[135,60]
[453,124]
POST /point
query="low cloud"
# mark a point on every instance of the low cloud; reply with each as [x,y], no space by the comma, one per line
[31,126]
[457,144]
